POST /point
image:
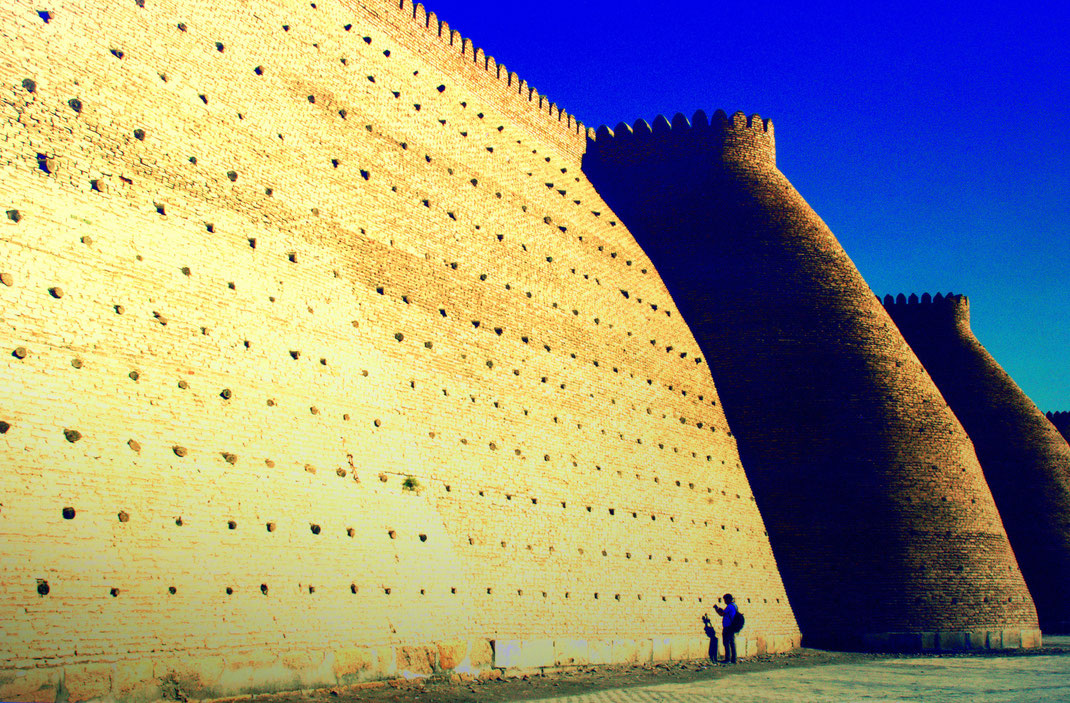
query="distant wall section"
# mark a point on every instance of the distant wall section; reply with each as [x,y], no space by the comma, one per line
[1025,460]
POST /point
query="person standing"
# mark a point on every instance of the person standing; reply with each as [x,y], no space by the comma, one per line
[728,627]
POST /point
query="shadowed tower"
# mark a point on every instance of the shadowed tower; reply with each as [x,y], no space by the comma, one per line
[877,509]
[1025,459]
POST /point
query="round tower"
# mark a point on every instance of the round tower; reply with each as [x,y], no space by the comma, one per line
[1025,459]
[877,509]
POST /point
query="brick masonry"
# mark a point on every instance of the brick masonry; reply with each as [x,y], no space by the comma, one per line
[878,512]
[325,362]
[1026,461]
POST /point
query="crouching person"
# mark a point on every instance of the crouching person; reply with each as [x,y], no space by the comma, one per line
[712,634]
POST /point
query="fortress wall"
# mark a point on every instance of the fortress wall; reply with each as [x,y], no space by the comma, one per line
[1061,420]
[426,35]
[1025,460]
[309,386]
[885,530]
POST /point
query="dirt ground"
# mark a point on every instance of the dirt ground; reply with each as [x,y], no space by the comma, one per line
[585,680]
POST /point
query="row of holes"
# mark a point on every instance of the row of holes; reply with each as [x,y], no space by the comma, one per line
[627,555]
[612,511]
[493,446]
[74,436]
[526,339]
[400,337]
[69,513]
[44,588]
[227,394]
[408,300]
[57,292]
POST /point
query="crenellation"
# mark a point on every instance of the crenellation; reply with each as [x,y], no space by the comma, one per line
[949,311]
[468,51]
[1061,421]
[739,139]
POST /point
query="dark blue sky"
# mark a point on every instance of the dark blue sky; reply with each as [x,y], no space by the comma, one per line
[932,138]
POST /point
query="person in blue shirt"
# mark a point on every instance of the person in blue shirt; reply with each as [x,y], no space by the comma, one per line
[728,631]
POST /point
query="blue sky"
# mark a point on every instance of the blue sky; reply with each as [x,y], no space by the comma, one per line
[932,138]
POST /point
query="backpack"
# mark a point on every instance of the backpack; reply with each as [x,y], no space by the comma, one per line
[738,621]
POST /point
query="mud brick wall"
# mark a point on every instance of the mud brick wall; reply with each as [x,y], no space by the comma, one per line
[879,515]
[324,362]
[1025,460]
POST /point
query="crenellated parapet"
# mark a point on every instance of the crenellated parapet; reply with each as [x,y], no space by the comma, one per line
[735,138]
[945,313]
[902,301]
[1061,420]
[550,115]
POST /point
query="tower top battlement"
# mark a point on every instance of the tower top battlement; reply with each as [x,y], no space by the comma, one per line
[1061,420]
[735,138]
[531,109]
[949,312]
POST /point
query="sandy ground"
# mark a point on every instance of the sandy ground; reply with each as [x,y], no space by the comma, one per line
[803,675]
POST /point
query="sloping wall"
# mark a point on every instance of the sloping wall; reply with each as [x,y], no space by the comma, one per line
[1025,460]
[878,512]
[325,362]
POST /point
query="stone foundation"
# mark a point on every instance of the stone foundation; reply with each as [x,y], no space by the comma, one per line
[232,674]
[944,641]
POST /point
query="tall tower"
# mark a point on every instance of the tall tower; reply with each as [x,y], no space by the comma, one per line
[877,509]
[1025,459]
